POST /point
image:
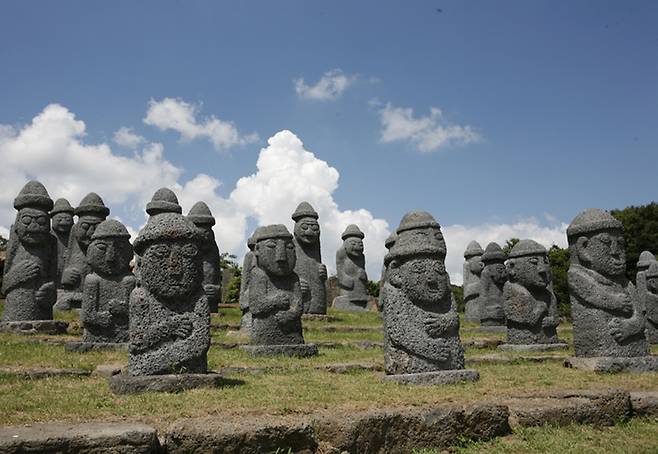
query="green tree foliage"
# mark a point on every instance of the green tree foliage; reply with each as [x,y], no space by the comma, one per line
[458,292]
[509,244]
[228,261]
[373,288]
[233,289]
[559,259]
[640,232]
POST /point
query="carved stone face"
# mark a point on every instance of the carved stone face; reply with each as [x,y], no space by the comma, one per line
[62,222]
[307,231]
[353,246]
[32,226]
[530,271]
[276,256]
[652,285]
[110,256]
[423,280]
[171,269]
[84,229]
[206,232]
[498,273]
[475,265]
[604,253]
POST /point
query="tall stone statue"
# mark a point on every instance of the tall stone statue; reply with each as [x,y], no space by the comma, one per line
[472,287]
[608,319]
[493,278]
[107,288]
[30,270]
[388,244]
[351,272]
[275,296]
[201,216]
[309,265]
[421,323]
[530,304]
[651,302]
[645,260]
[91,212]
[248,265]
[61,217]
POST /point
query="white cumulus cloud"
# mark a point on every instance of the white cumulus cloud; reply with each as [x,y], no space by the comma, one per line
[126,138]
[180,116]
[330,86]
[425,133]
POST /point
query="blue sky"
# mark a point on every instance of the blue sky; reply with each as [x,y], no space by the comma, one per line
[552,106]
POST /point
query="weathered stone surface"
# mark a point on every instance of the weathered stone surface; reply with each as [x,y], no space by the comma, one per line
[439,377]
[532,347]
[248,266]
[171,383]
[88,438]
[608,318]
[388,243]
[43,372]
[492,281]
[482,343]
[308,266]
[169,315]
[201,216]
[421,324]
[320,317]
[472,287]
[344,368]
[109,370]
[84,347]
[61,218]
[530,304]
[91,212]
[650,302]
[497,358]
[614,364]
[296,350]
[644,403]
[30,268]
[351,272]
[51,327]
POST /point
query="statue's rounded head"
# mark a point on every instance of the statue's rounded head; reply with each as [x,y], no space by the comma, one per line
[32,224]
[528,265]
[110,250]
[163,201]
[91,212]
[353,240]
[421,223]
[652,278]
[645,260]
[62,216]
[494,260]
[473,250]
[274,250]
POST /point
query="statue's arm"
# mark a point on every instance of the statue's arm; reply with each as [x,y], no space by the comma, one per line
[144,335]
[585,288]
[344,280]
[90,315]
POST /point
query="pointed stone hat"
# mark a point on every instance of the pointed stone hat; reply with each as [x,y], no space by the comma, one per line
[166,227]
[62,206]
[200,214]
[111,228]
[592,220]
[352,230]
[92,205]
[473,250]
[33,195]
[304,210]
[646,259]
[417,220]
[526,248]
[413,245]
[271,231]
[494,253]
[163,201]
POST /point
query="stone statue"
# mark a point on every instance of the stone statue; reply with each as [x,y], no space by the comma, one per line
[201,216]
[61,217]
[493,278]
[248,265]
[530,304]
[351,272]
[645,260]
[309,265]
[275,296]
[421,323]
[30,270]
[91,212]
[107,288]
[472,287]
[651,302]
[388,244]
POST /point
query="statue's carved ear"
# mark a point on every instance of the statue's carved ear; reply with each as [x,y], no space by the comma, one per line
[393,274]
[581,248]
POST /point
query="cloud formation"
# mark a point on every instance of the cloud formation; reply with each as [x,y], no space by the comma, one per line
[330,86]
[126,138]
[180,116]
[426,134]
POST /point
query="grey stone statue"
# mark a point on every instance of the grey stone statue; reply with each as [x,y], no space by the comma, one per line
[30,270]
[530,304]
[472,287]
[351,272]
[201,216]
[309,265]
[493,278]
[645,260]
[651,302]
[421,324]
[107,288]
[61,218]
[248,265]
[388,244]
[91,212]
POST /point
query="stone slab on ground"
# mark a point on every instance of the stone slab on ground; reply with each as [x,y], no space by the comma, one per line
[609,364]
[84,347]
[136,384]
[114,438]
[441,377]
[43,372]
[344,368]
[497,358]
[294,350]
[644,403]
[319,317]
[109,370]
[482,343]
[51,327]
[532,347]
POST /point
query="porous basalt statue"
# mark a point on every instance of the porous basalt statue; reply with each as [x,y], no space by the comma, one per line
[30,269]
[61,218]
[651,302]
[201,216]
[388,244]
[645,261]
[309,265]
[91,212]
[107,288]
[530,304]
[351,272]
[248,265]
[169,316]
[493,278]
[606,312]
[471,281]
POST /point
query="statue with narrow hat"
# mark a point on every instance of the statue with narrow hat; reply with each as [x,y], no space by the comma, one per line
[351,272]
[61,218]
[308,265]
[493,278]
[651,302]
[388,244]
[471,281]
[201,216]
[248,265]
[644,262]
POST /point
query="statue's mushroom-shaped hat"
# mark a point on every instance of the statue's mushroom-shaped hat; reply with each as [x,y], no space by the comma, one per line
[62,206]
[352,230]
[646,259]
[200,214]
[304,210]
[390,240]
[272,231]
[163,201]
[417,220]
[110,228]
[166,227]
[33,195]
[527,248]
[592,220]
[473,250]
[92,205]
[493,253]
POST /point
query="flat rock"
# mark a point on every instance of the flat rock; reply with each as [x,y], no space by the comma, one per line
[644,403]
[344,368]
[83,347]
[51,327]
[441,377]
[296,350]
[79,438]
[108,370]
[320,317]
[136,384]
[497,358]
[43,372]
[609,364]
[532,347]
[482,343]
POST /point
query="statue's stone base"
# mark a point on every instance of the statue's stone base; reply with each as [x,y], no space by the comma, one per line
[343,303]
[83,347]
[492,329]
[610,364]
[319,317]
[35,327]
[137,384]
[439,377]
[296,350]
[532,347]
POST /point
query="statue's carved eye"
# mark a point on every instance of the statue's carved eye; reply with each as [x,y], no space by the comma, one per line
[605,239]
[27,220]
[534,260]
[42,220]
[189,250]
[290,246]
[101,247]
[271,244]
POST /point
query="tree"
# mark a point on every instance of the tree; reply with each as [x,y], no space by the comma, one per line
[559,259]
[373,288]
[640,232]
[458,293]
[509,244]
